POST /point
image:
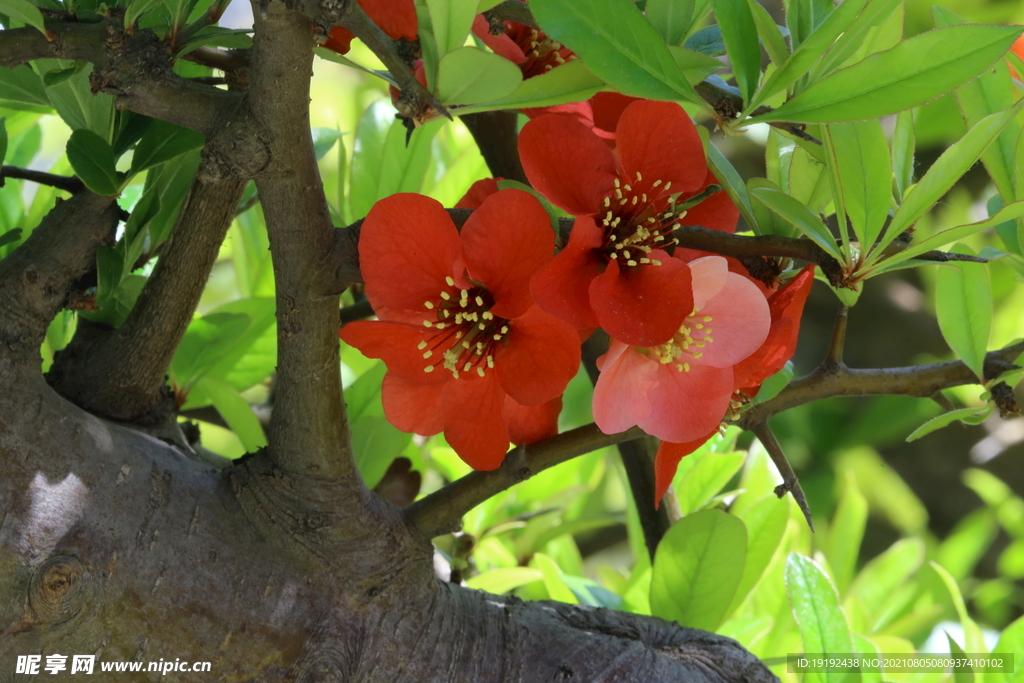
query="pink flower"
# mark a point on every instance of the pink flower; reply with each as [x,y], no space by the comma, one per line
[679,391]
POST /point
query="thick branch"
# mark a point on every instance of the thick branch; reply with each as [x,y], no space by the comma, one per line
[135,68]
[308,429]
[36,279]
[121,374]
[441,512]
[922,381]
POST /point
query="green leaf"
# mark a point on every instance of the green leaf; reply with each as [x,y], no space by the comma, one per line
[947,169]
[161,142]
[618,44]
[707,41]
[771,387]
[136,9]
[704,480]
[863,165]
[236,411]
[731,180]
[74,101]
[856,35]
[375,444]
[903,142]
[771,37]
[990,93]
[570,82]
[3,139]
[10,236]
[803,16]
[254,355]
[1010,642]
[552,577]
[207,340]
[881,576]
[916,71]
[25,11]
[974,641]
[323,140]
[218,36]
[967,542]
[697,568]
[795,213]
[808,52]
[503,580]
[694,65]
[451,21]
[766,523]
[846,532]
[468,75]
[93,161]
[671,19]
[963,305]
[946,419]
[808,181]
[23,85]
[740,33]
[815,604]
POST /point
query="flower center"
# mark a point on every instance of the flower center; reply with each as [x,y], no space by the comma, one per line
[467,331]
[636,222]
[685,346]
[543,53]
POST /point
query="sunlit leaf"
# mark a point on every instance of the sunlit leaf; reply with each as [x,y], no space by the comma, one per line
[963,305]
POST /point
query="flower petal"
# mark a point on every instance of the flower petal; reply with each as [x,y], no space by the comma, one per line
[542,355]
[505,242]
[477,193]
[407,246]
[502,44]
[686,405]
[622,392]
[412,407]
[717,212]
[397,18]
[608,108]
[530,424]
[645,305]
[709,275]
[658,140]
[562,287]
[473,422]
[567,163]
[739,323]
[397,344]
[666,462]
[340,40]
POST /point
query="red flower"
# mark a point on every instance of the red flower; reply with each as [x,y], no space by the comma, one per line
[680,390]
[397,18]
[786,306]
[478,192]
[614,272]
[467,351]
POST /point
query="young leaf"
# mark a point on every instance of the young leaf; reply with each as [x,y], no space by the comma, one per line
[324,139]
[963,305]
[863,166]
[903,151]
[771,37]
[671,19]
[916,71]
[73,99]
[236,411]
[375,444]
[707,41]
[161,142]
[740,33]
[504,579]
[705,479]
[842,546]
[697,567]
[570,82]
[207,340]
[25,11]
[855,35]
[816,608]
[948,419]
[766,523]
[451,21]
[618,44]
[974,641]
[946,170]
[3,139]
[468,75]
[93,161]
[799,216]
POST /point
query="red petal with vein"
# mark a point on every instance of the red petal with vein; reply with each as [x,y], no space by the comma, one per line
[608,108]
[502,45]
[562,287]
[709,275]
[659,140]
[397,18]
[786,306]
[567,163]
[622,392]
[407,246]
[686,405]
[340,40]
[717,212]
[530,424]
[477,193]
[643,306]
[666,462]
[397,345]
[505,242]
[412,407]
[473,422]
[739,322]
[542,355]
[578,110]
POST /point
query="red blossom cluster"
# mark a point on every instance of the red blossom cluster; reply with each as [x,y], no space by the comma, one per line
[480,330]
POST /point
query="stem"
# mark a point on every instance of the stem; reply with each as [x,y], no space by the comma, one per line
[790,483]
[497,137]
[62,182]
[835,347]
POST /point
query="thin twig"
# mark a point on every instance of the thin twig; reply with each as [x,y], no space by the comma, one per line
[62,182]
[835,347]
[790,483]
